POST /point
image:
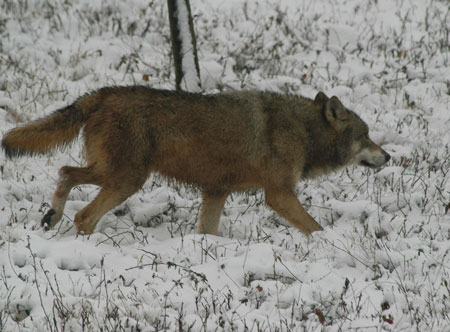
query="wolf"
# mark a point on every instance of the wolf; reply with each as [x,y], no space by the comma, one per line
[220,143]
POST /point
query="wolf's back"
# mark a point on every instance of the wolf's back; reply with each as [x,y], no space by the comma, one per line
[53,131]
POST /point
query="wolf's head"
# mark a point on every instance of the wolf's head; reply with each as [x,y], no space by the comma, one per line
[351,134]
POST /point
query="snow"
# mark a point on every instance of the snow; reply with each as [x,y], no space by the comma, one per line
[381,263]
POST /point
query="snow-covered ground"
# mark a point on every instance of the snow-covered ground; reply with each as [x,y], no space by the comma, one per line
[381,264]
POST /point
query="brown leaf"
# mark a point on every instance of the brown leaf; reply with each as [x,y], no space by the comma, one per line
[404,161]
[145,77]
[320,316]
[388,319]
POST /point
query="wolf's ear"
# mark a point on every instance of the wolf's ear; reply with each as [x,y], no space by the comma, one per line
[336,113]
[321,98]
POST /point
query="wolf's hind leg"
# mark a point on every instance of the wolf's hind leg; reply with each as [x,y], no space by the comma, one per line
[286,204]
[107,198]
[212,206]
[68,178]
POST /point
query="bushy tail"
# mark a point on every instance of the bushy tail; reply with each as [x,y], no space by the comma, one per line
[54,131]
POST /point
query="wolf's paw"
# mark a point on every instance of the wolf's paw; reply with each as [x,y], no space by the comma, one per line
[49,220]
[83,226]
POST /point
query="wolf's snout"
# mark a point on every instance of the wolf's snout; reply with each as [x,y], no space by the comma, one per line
[373,158]
[381,159]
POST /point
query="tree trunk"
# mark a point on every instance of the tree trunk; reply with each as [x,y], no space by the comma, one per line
[184,46]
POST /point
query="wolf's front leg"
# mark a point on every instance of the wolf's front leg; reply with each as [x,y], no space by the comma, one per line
[286,204]
[212,206]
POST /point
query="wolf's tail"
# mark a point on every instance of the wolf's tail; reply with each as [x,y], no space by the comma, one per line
[51,132]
